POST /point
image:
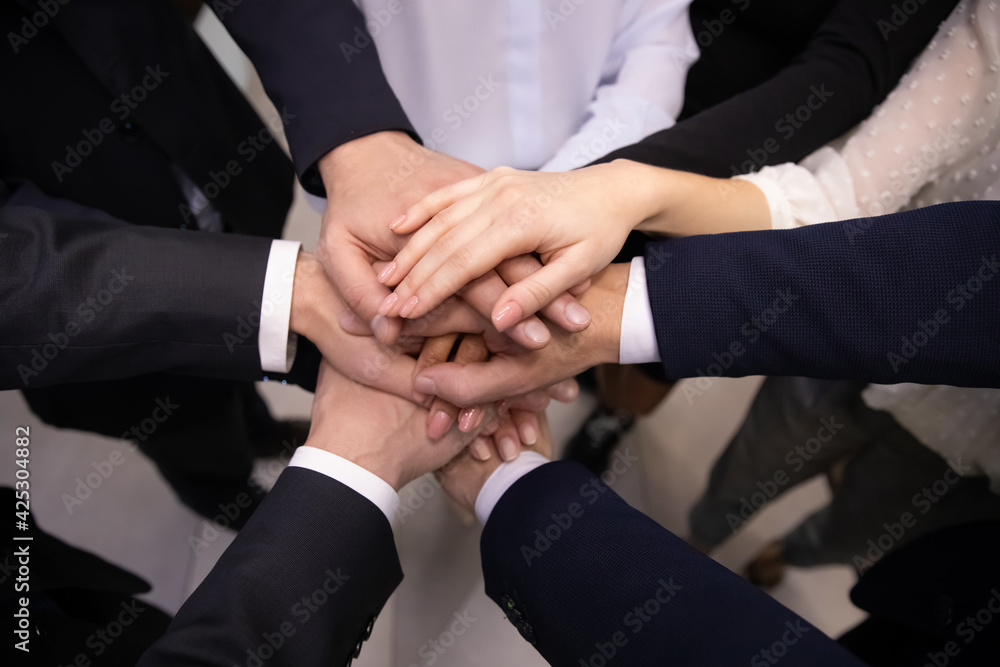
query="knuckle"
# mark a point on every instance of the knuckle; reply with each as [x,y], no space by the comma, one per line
[464,258]
[474,348]
[538,291]
[354,297]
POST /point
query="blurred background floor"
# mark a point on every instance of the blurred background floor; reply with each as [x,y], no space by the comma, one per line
[133,519]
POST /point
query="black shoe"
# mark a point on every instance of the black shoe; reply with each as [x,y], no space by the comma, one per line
[597,438]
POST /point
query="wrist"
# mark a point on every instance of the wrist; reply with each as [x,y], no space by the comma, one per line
[605,300]
[371,459]
[305,316]
[347,155]
[649,191]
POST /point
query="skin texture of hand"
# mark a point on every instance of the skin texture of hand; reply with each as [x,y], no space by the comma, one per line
[511,423]
[370,182]
[463,478]
[317,312]
[516,371]
[576,221]
[384,434]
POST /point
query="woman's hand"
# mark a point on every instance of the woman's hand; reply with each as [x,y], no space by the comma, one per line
[575,221]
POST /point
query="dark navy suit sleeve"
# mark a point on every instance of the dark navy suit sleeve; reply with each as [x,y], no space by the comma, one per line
[300,586]
[908,297]
[320,67]
[590,581]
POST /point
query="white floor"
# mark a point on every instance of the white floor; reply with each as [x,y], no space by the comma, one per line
[133,519]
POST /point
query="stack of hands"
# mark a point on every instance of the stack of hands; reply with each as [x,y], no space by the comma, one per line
[491,316]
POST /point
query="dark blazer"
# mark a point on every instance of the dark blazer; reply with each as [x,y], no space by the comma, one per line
[761,61]
[305,579]
[301,585]
[590,580]
[103,101]
[907,297]
[89,297]
[929,599]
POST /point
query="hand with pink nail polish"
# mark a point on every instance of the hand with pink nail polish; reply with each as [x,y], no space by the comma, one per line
[516,372]
[360,206]
[576,222]
[370,182]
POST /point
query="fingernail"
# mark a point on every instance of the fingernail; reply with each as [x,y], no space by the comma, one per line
[380,327]
[388,303]
[479,450]
[567,392]
[439,424]
[575,313]
[391,266]
[408,307]
[503,408]
[536,331]
[508,449]
[469,418]
[508,316]
[397,222]
[425,385]
[529,435]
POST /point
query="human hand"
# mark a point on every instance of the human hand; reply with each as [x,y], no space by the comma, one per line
[511,423]
[370,181]
[319,314]
[383,434]
[516,371]
[463,477]
[576,221]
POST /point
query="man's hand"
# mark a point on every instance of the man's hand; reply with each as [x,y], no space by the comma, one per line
[370,182]
[516,371]
[319,314]
[384,434]
[463,478]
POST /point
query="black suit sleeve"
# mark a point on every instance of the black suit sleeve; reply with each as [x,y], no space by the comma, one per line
[590,580]
[907,297]
[300,586]
[851,64]
[320,67]
[87,297]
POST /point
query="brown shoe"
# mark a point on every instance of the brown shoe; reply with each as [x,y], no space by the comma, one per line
[768,568]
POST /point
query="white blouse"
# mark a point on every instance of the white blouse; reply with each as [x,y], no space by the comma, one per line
[534,84]
[935,139]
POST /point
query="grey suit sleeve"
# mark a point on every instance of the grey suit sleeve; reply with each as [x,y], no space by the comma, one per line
[87,297]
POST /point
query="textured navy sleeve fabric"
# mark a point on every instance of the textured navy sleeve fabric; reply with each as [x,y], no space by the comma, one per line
[907,297]
[592,581]
[300,586]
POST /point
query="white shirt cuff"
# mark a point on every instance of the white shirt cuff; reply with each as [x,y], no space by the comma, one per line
[502,479]
[277,345]
[638,339]
[365,482]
